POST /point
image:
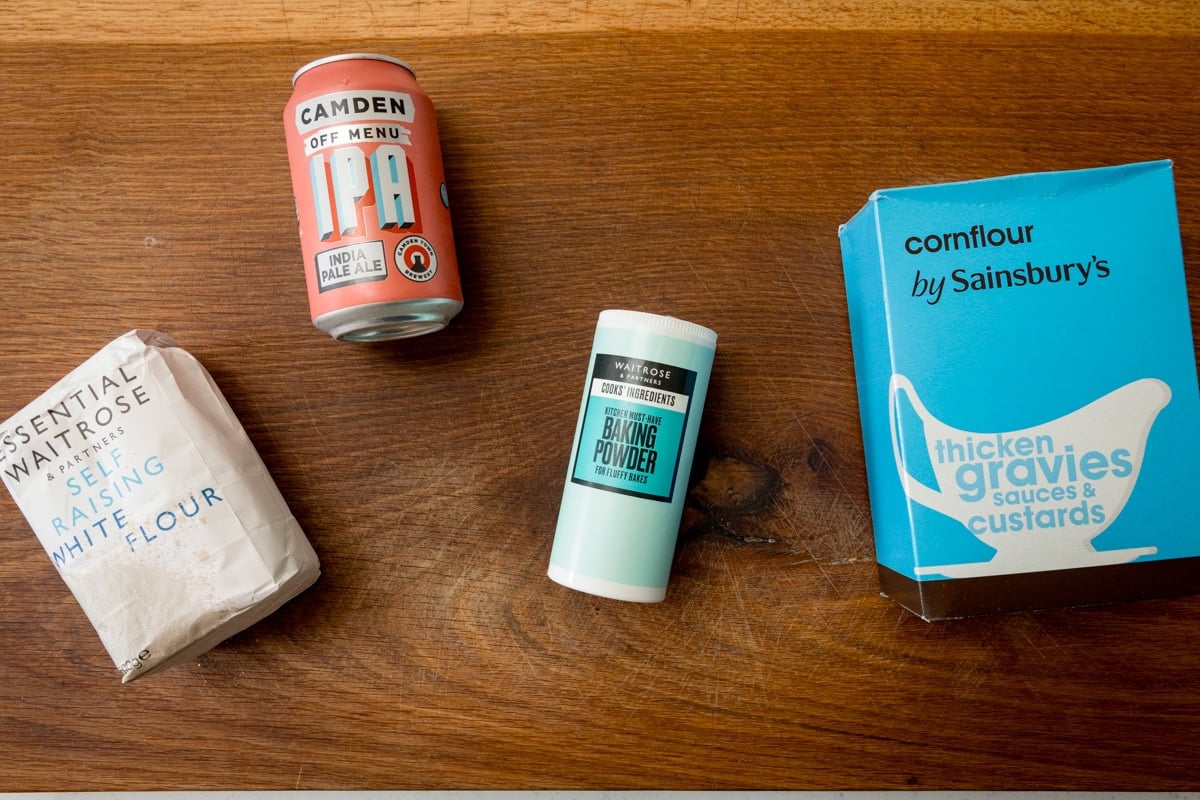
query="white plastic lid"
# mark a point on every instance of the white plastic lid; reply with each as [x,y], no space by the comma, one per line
[350,57]
[603,588]
[657,323]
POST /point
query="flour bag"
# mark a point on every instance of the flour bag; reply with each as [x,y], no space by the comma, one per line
[153,504]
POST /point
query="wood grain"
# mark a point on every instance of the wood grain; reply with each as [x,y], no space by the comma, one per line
[314,21]
[702,174]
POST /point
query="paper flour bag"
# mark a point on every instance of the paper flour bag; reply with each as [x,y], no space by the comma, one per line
[153,504]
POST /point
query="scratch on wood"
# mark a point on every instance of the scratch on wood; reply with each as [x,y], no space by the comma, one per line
[1048,635]
[287,29]
[836,476]
[743,616]
[1025,635]
[696,272]
[817,562]
[315,423]
[783,265]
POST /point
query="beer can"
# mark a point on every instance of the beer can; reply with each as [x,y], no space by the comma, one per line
[371,200]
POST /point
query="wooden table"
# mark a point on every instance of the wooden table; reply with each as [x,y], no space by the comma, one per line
[686,158]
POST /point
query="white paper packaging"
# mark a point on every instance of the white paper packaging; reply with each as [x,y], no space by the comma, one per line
[153,504]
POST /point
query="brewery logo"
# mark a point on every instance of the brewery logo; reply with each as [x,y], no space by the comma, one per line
[416,259]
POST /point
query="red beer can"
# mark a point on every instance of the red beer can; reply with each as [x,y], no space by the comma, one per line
[371,199]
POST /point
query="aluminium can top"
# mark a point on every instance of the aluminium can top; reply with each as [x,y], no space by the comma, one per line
[351,57]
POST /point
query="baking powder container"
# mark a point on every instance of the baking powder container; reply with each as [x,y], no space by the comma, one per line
[632,455]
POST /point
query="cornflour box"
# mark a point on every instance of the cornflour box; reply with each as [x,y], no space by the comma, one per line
[1027,384]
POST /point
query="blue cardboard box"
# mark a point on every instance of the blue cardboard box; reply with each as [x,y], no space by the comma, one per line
[1027,384]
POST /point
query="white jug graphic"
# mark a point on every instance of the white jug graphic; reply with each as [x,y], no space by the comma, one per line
[1063,482]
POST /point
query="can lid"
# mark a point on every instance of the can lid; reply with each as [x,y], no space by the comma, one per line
[657,323]
[351,57]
